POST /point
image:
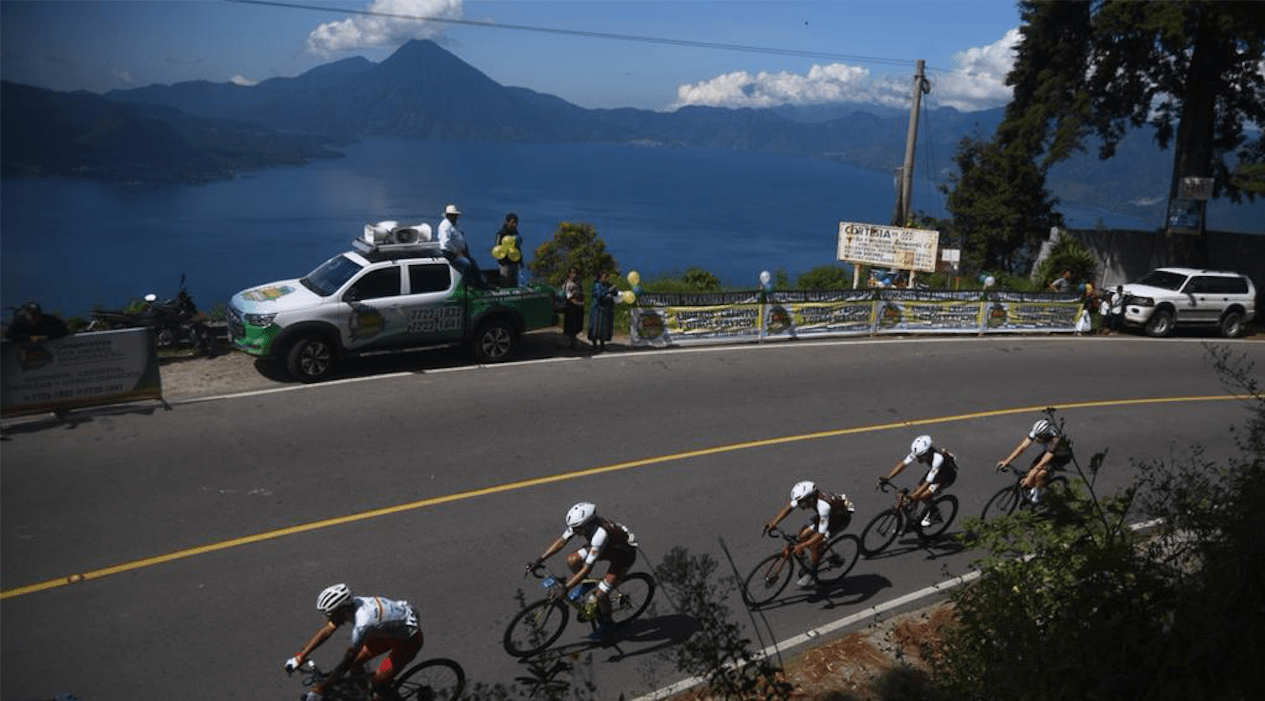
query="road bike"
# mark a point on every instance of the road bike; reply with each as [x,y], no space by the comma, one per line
[540,623]
[1014,496]
[773,573]
[901,518]
[439,679]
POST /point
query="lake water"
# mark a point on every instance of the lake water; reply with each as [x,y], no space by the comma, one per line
[74,245]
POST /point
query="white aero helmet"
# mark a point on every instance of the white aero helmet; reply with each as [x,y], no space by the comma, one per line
[1042,428]
[580,514]
[801,490]
[920,446]
[333,598]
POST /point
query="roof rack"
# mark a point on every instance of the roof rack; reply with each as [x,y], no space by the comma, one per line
[388,251]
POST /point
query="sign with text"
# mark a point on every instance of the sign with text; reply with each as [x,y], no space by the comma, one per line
[80,370]
[890,246]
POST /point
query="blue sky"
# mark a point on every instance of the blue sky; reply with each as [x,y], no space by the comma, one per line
[864,50]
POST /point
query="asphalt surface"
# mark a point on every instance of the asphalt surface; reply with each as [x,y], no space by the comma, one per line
[204,531]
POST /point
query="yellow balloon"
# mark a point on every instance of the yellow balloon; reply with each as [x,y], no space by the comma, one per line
[507,241]
[514,255]
[629,297]
[498,252]
[634,278]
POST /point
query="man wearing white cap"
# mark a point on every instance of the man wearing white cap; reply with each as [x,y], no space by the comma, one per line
[453,244]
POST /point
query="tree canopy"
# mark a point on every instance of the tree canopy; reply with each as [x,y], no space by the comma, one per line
[1189,68]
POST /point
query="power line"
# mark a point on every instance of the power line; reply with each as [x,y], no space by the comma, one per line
[593,35]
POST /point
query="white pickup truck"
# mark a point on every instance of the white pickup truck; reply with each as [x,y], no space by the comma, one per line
[383,296]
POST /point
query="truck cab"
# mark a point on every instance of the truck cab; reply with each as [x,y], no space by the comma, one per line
[382,296]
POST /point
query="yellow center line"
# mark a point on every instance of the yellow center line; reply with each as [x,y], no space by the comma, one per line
[561,477]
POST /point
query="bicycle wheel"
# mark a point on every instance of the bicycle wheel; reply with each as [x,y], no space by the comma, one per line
[880,532]
[767,580]
[947,506]
[1002,503]
[631,597]
[838,558]
[536,627]
[433,680]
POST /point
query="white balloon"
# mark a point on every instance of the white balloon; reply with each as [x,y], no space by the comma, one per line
[990,281]
[765,277]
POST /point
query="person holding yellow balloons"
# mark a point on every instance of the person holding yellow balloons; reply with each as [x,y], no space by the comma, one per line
[508,251]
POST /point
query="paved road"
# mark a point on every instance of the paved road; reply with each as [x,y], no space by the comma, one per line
[683,446]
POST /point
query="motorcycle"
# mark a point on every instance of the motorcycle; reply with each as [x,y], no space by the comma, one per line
[176,322]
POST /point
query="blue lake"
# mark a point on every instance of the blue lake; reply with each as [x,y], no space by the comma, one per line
[74,245]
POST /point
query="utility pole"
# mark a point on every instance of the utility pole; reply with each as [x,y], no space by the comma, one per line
[901,214]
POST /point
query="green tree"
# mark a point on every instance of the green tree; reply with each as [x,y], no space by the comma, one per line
[1190,68]
[1000,206]
[825,277]
[699,280]
[1067,254]
[573,244]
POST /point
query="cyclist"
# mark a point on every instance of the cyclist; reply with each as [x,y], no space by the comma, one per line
[607,540]
[942,472]
[833,513]
[379,625]
[1056,453]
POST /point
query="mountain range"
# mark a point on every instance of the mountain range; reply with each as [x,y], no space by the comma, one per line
[198,130]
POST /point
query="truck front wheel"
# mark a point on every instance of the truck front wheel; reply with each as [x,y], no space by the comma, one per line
[310,358]
[494,341]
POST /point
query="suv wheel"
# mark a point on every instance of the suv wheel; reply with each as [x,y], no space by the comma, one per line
[1232,324]
[1160,324]
[494,341]
[310,359]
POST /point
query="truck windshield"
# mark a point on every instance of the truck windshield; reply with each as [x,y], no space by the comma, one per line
[331,276]
[1163,280]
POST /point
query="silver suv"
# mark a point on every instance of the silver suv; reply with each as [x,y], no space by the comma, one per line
[1167,297]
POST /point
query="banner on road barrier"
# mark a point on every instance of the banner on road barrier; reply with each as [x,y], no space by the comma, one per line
[77,371]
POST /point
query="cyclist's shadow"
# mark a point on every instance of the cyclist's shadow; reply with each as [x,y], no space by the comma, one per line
[648,633]
[939,546]
[851,591]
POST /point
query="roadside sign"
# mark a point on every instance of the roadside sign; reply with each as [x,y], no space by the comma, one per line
[889,246]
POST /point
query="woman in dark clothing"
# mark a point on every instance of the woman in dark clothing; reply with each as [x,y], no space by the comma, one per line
[573,315]
[602,311]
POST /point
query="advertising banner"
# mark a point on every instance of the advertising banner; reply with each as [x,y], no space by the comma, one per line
[77,371]
[888,246]
[666,320]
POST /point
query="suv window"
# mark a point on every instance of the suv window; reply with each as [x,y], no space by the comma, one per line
[1223,285]
[332,275]
[1163,279]
[376,283]
[429,277]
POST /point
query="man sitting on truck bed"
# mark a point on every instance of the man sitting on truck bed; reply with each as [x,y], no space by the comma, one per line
[453,244]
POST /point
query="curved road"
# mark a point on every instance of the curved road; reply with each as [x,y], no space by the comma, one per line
[202,534]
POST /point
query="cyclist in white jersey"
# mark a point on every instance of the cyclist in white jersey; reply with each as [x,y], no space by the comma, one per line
[831,514]
[379,625]
[608,541]
[942,472]
[1056,452]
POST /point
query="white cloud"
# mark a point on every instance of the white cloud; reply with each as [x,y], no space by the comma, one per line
[374,31]
[122,75]
[240,79]
[976,82]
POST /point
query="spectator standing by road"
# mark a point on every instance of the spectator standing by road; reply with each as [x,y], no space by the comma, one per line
[510,269]
[573,314]
[1062,283]
[452,243]
[602,311]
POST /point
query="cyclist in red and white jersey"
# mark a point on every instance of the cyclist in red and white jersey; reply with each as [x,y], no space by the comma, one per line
[1056,452]
[942,472]
[607,540]
[379,626]
[832,513]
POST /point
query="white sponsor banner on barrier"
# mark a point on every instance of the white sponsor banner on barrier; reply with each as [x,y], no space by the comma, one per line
[659,320]
[80,370]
